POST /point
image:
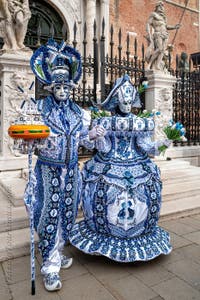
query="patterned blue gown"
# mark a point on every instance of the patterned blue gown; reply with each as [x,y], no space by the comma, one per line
[122,194]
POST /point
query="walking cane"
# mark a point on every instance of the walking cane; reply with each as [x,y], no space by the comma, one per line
[31,135]
[31,214]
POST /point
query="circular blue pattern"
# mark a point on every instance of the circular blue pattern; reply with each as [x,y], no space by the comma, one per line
[69,226]
[68,214]
[99,207]
[55,197]
[55,182]
[45,243]
[53,213]
[100,193]
[153,195]
[69,187]
[100,220]
[50,228]
[68,201]
[71,173]
[154,209]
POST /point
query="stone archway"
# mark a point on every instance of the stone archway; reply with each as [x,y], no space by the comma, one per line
[45,22]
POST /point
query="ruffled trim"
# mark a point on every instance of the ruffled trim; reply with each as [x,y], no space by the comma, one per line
[141,248]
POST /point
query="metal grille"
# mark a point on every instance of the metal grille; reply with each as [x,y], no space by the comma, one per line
[186,104]
[102,69]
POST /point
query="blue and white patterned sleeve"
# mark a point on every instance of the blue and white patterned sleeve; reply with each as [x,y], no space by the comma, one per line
[103,144]
[146,144]
[84,139]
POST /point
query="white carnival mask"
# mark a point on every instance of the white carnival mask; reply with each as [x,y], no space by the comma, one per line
[125,94]
[61,91]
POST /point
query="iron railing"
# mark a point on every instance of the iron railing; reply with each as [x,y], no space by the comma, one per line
[186,103]
[102,68]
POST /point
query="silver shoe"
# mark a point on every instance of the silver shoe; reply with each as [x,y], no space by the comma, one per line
[52,282]
[66,262]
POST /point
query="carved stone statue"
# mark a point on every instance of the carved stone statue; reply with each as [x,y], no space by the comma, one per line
[157,37]
[183,65]
[14,17]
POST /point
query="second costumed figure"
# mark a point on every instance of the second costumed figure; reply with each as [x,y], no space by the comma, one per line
[121,192]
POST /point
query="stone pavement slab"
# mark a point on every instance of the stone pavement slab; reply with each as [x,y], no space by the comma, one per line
[175,255]
[18,269]
[105,270]
[176,289]
[187,270]
[22,291]
[177,227]
[178,241]
[189,252]
[191,221]
[4,289]
[196,217]
[151,273]
[172,277]
[193,237]
[129,288]
[84,287]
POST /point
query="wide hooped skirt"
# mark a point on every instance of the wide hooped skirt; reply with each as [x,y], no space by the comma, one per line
[141,248]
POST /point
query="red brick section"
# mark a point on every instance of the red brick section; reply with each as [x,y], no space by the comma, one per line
[132,15]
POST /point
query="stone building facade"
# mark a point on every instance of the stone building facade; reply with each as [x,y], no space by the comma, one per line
[129,15]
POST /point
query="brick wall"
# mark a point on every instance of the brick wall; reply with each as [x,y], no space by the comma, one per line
[132,15]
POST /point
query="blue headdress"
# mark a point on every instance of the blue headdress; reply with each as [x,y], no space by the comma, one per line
[112,100]
[56,63]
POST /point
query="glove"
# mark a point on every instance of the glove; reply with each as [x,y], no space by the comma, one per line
[96,132]
[166,142]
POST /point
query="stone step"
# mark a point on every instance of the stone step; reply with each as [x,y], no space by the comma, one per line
[171,175]
[15,243]
[172,162]
[181,189]
[181,207]
[176,181]
[13,188]
[172,166]
[12,218]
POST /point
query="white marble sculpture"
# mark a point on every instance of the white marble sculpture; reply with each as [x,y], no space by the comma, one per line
[157,38]
[14,17]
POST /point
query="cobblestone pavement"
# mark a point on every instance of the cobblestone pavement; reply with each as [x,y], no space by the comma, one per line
[172,277]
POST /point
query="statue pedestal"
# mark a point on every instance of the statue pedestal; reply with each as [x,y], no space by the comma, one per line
[159,97]
[16,78]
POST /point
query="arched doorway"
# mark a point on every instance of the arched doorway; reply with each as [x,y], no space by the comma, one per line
[45,22]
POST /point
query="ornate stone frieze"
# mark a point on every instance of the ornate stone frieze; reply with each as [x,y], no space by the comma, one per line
[16,91]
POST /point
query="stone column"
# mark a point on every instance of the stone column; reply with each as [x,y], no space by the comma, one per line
[15,73]
[90,16]
[159,97]
[104,13]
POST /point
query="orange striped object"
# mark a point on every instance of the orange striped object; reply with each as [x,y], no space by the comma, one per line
[30,131]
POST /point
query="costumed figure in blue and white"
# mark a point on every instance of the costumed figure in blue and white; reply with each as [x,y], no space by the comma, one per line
[58,181]
[121,186]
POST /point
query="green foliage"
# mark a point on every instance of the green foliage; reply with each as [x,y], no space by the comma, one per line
[172,133]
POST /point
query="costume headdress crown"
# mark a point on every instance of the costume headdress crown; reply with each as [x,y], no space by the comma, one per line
[112,100]
[56,63]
